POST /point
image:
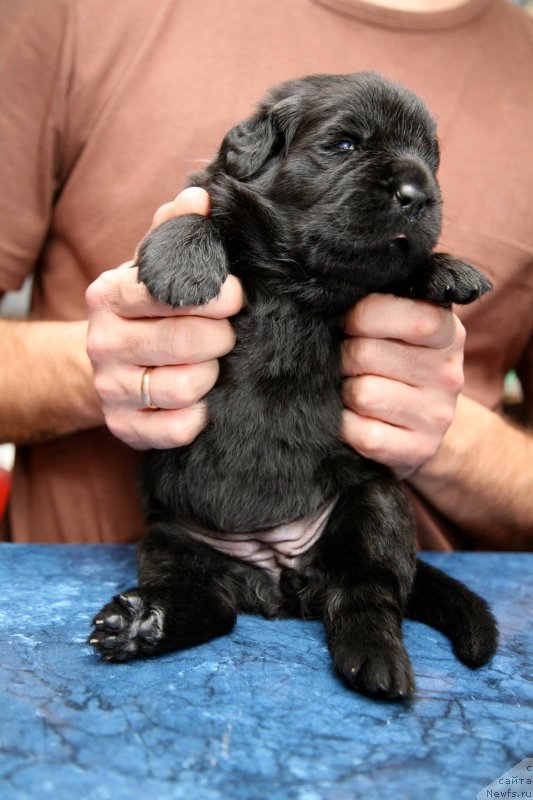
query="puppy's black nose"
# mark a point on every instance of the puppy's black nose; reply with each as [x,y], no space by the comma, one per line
[412,199]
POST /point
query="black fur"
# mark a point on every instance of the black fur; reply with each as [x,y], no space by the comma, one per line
[324,195]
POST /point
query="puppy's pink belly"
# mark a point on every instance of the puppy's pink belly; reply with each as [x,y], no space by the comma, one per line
[272,549]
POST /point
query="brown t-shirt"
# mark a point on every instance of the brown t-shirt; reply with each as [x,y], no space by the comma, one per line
[106,107]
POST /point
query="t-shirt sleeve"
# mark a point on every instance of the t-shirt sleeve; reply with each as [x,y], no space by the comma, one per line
[34,52]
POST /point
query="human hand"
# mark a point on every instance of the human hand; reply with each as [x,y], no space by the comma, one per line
[403,368]
[129,331]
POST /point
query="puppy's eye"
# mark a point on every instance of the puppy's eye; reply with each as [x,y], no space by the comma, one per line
[344,145]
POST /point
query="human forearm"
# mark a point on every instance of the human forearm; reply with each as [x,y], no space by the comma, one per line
[47,384]
[481,478]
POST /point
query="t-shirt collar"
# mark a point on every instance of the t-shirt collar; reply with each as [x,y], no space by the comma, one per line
[409,20]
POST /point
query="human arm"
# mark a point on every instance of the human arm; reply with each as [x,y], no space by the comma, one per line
[47,387]
[481,478]
[46,375]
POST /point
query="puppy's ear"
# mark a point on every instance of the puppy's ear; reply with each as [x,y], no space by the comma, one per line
[252,143]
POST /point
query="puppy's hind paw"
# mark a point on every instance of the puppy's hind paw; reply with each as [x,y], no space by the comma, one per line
[475,638]
[379,671]
[130,626]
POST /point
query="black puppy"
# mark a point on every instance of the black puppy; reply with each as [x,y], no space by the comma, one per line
[324,195]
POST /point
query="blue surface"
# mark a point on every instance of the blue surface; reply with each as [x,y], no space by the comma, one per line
[255,715]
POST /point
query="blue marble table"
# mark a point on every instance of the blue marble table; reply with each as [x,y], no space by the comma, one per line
[255,715]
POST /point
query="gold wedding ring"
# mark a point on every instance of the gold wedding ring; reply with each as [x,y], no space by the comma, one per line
[145,389]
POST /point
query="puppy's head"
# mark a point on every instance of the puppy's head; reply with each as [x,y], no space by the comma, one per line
[348,163]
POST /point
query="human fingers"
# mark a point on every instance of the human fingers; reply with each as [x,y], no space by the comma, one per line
[170,387]
[192,200]
[119,291]
[382,316]
[160,429]
[396,424]
[159,342]
[416,365]
[423,410]
[121,348]
[129,331]
[179,416]
[404,370]
[400,449]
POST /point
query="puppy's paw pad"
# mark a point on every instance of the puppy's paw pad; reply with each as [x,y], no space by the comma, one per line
[127,627]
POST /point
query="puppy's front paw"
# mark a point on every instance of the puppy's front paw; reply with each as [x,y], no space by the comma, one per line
[131,625]
[376,669]
[453,281]
[183,261]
